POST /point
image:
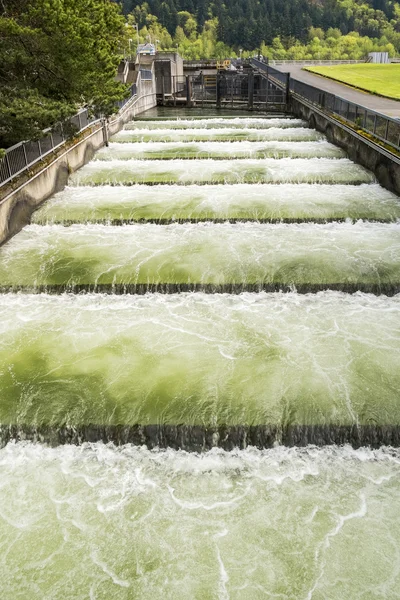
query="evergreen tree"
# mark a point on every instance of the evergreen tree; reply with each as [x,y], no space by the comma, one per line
[56,56]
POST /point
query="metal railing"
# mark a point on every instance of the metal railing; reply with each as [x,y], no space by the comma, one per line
[24,155]
[382,127]
[234,88]
[315,62]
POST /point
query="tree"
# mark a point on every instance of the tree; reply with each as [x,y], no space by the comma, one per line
[56,56]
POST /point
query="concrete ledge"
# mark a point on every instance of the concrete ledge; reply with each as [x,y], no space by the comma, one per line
[199,438]
[51,175]
[378,288]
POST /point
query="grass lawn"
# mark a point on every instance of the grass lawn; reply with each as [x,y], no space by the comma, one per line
[383,80]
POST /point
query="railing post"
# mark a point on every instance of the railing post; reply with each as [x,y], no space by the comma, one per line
[387,129]
[25,156]
[287,88]
[8,165]
[105,131]
[188,91]
[162,91]
[218,90]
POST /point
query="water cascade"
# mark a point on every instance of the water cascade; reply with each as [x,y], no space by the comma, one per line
[210,301]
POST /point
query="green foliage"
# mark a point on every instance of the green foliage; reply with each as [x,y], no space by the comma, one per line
[196,37]
[249,23]
[56,56]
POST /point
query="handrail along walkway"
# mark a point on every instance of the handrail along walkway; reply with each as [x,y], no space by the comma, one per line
[24,155]
[383,127]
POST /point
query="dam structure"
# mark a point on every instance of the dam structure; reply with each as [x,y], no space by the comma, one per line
[200,371]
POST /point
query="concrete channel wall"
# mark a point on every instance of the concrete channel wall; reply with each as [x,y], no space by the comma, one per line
[51,175]
[383,163]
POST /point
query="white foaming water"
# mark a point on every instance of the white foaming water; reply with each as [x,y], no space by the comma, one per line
[104,523]
[269,170]
[262,201]
[222,133]
[242,149]
[205,253]
[220,123]
[317,359]
[127,523]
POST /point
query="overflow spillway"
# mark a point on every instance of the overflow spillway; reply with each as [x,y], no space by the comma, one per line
[204,293]
[239,362]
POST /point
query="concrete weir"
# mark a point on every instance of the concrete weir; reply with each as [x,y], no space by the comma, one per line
[197,438]
[200,366]
[228,306]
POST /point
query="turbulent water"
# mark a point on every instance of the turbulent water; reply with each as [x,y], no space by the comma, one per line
[245,370]
[216,122]
[218,134]
[242,254]
[262,202]
[268,170]
[99,522]
[218,150]
[200,359]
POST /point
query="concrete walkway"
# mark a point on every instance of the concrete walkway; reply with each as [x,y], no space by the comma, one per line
[388,107]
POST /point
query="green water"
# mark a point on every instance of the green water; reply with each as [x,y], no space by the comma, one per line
[244,253]
[218,150]
[251,134]
[228,121]
[200,359]
[269,170]
[99,522]
[201,203]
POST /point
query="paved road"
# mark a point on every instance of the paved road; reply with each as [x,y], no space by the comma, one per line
[383,105]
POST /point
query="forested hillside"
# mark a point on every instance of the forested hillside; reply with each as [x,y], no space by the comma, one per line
[276,24]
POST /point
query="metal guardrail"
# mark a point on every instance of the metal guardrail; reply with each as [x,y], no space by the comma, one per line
[24,155]
[384,128]
[315,62]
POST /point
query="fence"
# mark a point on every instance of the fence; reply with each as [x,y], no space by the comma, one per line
[315,62]
[24,155]
[231,87]
[380,126]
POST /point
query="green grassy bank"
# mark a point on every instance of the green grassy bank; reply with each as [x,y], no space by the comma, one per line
[383,80]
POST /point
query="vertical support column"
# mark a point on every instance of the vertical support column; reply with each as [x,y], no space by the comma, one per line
[162,91]
[218,90]
[250,90]
[287,88]
[267,92]
[188,90]
[387,129]
[105,131]
[25,155]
